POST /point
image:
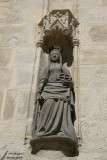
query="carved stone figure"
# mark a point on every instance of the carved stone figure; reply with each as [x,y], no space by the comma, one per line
[55,111]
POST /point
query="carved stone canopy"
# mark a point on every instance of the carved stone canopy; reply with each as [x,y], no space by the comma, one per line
[59,28]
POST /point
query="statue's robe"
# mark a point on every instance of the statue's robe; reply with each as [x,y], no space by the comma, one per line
[57,112]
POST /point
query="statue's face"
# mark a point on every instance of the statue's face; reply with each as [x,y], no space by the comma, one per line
[55,56]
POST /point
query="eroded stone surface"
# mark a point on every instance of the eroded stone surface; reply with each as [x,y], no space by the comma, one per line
[90,130]
[93,56]
[23,56]
[104,2]
[105,97]
[5,76]
[91,103]
[28,4]
[91,3]
[94,76]
[22,77]
[68,4]
[5,57]
[93,13]
[1,100]
[16,104]
[15,17]
[5,3]
[16,35]
[97,33]
[14,128]
[32,15]
[3,15]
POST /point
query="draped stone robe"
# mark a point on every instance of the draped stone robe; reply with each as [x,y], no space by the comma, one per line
[57,111]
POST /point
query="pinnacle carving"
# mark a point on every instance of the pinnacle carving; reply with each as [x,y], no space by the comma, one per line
[59,27]
[60,21]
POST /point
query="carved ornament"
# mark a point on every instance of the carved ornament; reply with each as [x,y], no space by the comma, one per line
[59,27]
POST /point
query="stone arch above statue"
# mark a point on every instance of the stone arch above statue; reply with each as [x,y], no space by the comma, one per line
[59,28]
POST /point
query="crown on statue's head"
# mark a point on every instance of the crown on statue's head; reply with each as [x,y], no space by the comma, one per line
[55,48]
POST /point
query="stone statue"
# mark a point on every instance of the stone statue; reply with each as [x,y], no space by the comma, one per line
[55,112]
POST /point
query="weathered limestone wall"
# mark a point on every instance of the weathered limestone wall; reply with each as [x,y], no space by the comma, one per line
[18,26]
[18,75]
[93,78]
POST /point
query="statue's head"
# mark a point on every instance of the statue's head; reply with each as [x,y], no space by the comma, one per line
[55,54]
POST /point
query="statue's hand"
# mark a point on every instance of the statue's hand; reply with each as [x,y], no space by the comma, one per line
[40,88]
[65,79]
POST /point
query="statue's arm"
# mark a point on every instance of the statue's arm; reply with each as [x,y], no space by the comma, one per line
[43,80]
[69,82]
[66,71]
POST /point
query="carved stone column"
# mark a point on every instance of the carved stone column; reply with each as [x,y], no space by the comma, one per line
[76,75]
[38,56]
[75,52]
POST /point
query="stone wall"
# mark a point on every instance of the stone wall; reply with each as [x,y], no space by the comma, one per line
[18,76]
[93,77]
[18,26]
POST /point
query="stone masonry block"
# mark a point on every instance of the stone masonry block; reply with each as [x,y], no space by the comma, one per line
[5,3]
[93,56]
[97,33]
[23,56]
[94,136]
[3,15]
[1,99]
[9,106]
[22,104]
[91,103]
[95,13]
[86,14]
[32,15]
[5,57]
[22,77]
[105,97]
[16,35]
[5,76]
[15,129]
[16,104]
[104,2]
[12,145]
[68,4]
[92,156]
[95,76]
[104,108]
[15,17]
[91,3]
[28,4]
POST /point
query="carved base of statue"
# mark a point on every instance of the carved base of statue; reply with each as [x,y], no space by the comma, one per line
[64,144]
[53,128]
